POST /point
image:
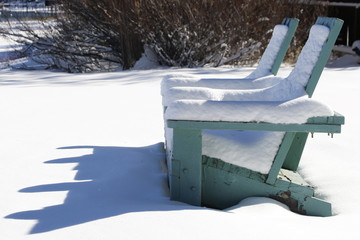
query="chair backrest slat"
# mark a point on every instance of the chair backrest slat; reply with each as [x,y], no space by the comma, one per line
[334,24]
[292,24]
[275,51]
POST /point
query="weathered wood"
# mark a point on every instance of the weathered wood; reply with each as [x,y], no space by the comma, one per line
[316,207]
[223,189]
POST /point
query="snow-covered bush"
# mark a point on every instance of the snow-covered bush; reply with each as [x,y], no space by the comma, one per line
[85,36]
[211,32]
[101,35]
[195,33]
[113,22]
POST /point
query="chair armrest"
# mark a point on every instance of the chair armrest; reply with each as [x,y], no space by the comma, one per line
[295,111]
[251,126]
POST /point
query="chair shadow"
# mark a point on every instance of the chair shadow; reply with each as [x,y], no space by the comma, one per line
[115,181]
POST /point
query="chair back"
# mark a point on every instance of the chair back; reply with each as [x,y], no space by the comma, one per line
[275,51]
[315,53]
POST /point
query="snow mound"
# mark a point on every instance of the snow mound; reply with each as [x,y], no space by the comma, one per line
[268,205]
[147,61]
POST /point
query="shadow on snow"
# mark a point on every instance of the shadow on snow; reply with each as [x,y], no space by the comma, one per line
[111,181]
[128,77]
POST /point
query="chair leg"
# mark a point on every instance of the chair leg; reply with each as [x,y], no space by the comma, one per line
[185,179]
[294,155]
[304,204]
[317,207]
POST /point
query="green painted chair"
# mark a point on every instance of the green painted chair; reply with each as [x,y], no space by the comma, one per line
[269,64]
[204,181]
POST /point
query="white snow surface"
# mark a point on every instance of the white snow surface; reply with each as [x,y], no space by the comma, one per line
[148,60]
[262,70]
[290,87]
[81,158]
[248,149]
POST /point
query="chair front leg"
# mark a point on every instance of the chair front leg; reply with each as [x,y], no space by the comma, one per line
[186,176]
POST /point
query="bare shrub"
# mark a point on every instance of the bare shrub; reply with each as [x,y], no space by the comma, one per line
[98,35]
[86,36]
[195,33]
[114,21]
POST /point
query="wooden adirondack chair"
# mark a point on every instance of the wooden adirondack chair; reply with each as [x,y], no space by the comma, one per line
[203,181]
[269,63]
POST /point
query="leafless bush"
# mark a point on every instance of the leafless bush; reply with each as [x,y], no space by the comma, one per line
[98,35]
[114,21]
[68,47]
[87,36]
[195,33]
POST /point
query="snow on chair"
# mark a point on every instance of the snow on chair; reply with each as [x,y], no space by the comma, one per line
[206,167]
[302,80]
[268,65]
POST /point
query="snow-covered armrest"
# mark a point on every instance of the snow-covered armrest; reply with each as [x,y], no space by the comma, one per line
[172,81]
[265,67]
[296,111]
[215,89]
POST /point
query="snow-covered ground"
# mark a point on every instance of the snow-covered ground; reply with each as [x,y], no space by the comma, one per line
[81,158]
